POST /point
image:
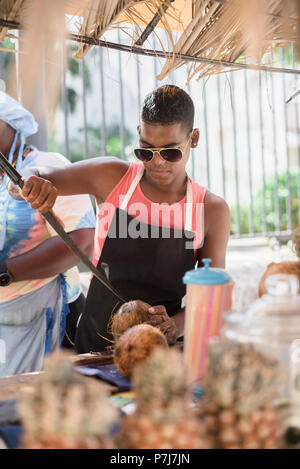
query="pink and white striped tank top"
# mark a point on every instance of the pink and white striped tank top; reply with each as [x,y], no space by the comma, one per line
[146,211]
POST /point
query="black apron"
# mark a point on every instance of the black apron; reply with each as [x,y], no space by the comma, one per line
[146,268]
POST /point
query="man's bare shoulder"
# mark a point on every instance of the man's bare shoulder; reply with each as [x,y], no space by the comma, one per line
[108,172]
[211,198]
[113,166]
[217,211]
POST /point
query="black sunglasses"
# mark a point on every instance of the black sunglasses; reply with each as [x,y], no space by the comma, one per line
[171,155]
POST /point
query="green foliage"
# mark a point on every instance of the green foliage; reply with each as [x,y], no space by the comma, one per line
[72,99]
[268,197]
[114,143]
[74,68]
[52,144]
[73,64]
[285,56]
[7,57]
[114,146]
[8,43]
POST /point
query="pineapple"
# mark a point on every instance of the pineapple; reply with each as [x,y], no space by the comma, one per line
[66,410]
[163,418]
[240,384]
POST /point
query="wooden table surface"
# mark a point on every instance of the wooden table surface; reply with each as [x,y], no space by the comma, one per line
[11,386]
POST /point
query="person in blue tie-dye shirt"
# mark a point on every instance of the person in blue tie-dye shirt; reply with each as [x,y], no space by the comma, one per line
[38,273]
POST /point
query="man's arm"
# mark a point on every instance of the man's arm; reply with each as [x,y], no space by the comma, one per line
[216,231]
[97,176]
[179,319]
[51,257]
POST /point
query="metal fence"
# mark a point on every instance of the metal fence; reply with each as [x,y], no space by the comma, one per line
[249,149]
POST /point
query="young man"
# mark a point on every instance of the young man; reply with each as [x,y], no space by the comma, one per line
[151,228]
[38,277]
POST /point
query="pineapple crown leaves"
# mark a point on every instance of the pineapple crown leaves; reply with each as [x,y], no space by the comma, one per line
[239,375]
[160,380]
[59,370]
[64,403]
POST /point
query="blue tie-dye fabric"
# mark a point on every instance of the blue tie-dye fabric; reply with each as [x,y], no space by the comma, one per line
[20,222]
[26,228]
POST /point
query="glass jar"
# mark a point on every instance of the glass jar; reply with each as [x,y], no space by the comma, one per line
[272,325]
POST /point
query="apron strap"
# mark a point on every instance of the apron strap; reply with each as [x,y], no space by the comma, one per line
[188,205]
[131,189]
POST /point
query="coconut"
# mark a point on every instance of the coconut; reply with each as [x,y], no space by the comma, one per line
[135,345]
[128,315]
[285,267]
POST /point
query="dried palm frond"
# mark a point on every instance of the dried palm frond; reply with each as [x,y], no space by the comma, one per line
[41,53]
[233,29]
[297,9]
[190,34]
[100,15]
[10,9]
[218,30]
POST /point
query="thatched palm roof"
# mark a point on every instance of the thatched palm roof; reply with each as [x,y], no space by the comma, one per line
[213,30]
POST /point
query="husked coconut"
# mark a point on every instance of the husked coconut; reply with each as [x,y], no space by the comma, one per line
[128,315]
[285,267]
[135,345]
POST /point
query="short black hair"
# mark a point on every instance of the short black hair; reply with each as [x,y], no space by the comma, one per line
[168,105]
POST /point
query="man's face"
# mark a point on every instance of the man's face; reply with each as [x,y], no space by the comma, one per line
[160,171]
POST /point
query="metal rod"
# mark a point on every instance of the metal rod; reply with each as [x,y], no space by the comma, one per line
[176,56]
[157,53]
[206,136]
[288,177]
[293,96]
[138,76]
[192,149]
[85,130]
[262,149]
[103,117]
[153,23]
[65,103]
[271,234]
[122,129]
[276,185]
[297,121]
[238,215]
[17,59]
[221,137]
[251,215]
[155,64]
